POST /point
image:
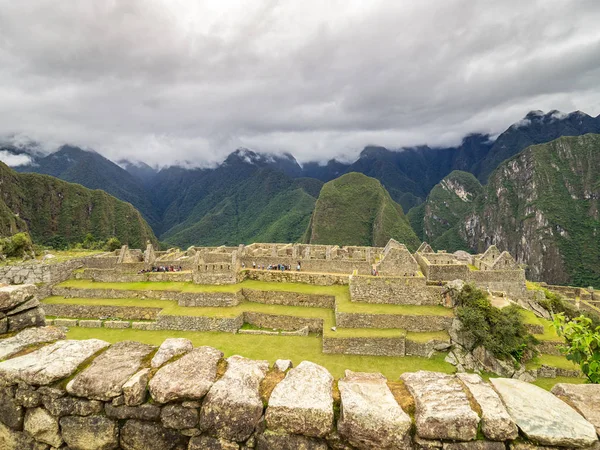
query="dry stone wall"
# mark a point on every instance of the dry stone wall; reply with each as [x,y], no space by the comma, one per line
[40,272]
[394,290]
[20,308]
[91,395]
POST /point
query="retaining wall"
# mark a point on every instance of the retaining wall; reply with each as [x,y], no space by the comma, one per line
[279,322]
[405,322]
[289,298]
[394,290]
[118,276]
[101,311]
[318,279]
[364,346]
[40,272]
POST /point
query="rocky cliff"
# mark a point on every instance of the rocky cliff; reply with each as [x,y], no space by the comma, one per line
[543,207]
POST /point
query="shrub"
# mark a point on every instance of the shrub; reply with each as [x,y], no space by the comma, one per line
[501,331]
[583,343]
[57,242]
[16,246]
[112,244]
[556,304]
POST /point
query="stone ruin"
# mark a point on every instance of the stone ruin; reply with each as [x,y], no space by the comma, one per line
[90,395]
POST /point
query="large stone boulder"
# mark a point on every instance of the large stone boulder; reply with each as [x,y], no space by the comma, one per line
[31,318]
[11,412]
[15,440]
[370,417]
[233,407]
[442,410]
[137,435]
[585,398]
[51,363]
[43,427]
[169,349]
[303,402]
[496,423]
[542,417]
[90,433]
[14,295]
[134,390]
[190,377]
[178,417]
[105,377]
[30,336]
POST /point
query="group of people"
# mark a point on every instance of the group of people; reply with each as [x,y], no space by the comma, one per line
[281,267]
[162,269]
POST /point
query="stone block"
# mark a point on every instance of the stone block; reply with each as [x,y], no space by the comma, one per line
[11,413]
[43,427]
[27,337]
[302,403]
[210,443]
[370,417]
[134,390]
[233,406]
[147,412]
[170,348]
[30,318]
[177,417]
[90,433]
[65,322]
[542,417]
[51,363]
[105,377]
[190,377]
[118,324]
[89,323]
[585,398]
[280,441]
[71,406]
[442,410]
[137,435]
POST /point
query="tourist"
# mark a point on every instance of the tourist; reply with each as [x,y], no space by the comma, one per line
[253,264]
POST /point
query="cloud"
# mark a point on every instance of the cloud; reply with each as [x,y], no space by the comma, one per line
[12,160]
[167,81]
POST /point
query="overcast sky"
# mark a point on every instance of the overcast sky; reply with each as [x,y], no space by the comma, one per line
[173,80]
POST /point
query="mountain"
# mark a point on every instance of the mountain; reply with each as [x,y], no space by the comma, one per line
[357,210]
[264,206]
[139,170]
[436,220]
[94,171]
[543,207]
[536,127]
[46,206]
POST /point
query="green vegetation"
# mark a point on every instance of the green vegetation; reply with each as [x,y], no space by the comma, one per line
[47,207]
[270,348]
[357,210]
[559,362]
[549,383]
[583,344]
[501,331]
[16,246]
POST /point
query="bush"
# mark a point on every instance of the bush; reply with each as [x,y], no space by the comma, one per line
[501,331]
[17,245]
[558,305]
[57,242]
[112,244]
[583,343]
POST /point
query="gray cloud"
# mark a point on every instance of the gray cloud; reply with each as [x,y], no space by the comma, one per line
[174,80]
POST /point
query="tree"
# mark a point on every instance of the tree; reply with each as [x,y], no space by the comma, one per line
[583,344]
[112,244]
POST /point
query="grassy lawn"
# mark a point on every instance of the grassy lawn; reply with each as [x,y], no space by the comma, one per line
[553,361]
[548,383]
[270,348]
[365,332]
[345,305]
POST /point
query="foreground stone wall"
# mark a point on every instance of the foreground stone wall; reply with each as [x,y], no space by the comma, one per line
[90,395]
[35,272]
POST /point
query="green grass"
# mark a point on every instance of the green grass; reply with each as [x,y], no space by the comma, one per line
[270,348]
[548,383]
[365,332]
[553,361]
[345,305]
[427,336]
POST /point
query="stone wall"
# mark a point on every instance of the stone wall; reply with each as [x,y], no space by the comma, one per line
[394,290]
[318,279]
[289,298]
[279,322]
[343,266]
[35,272]
[92,395]
[510,281]
[20,308]
[406,322]
[182,298]
[120,276]
[101,312]
[379,346]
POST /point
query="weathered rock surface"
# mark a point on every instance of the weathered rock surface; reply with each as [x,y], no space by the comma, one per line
[11,413]
[370,416]
[496,423]
[147,411]
[190,377]
[169,349]
[134,390]
[442,407]
[137,435]
[105,377]
[475,445]
[13,295]
[178,417]
[233,407]
[42,426]
[14,440]
[29,304]
[51,363]
[302,403]
[30,318]
[30,336]
[90,433]
[69,406]
[277,441]
[283,364]
[585,398]
[211,443]
[542,417]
